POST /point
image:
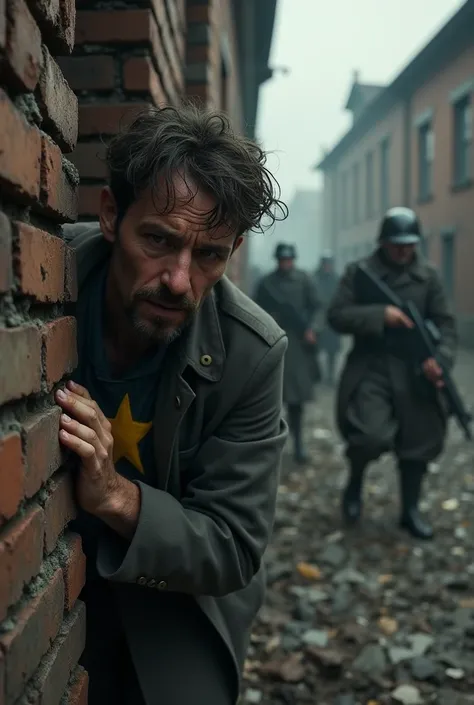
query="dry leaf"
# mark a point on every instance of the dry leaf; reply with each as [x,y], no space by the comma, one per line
[388,625]
[308,571]
[384,579]
[467,602]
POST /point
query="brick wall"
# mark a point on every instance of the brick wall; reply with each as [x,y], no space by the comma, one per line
[41,563]
[123,61]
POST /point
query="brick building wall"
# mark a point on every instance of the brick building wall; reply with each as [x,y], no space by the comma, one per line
[448,212]
[352,217]
[41,563]
[423,96]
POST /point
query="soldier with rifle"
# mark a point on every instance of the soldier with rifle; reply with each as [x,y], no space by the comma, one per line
[289,295]
[395,393]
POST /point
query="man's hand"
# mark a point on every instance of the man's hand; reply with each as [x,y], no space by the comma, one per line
[100,489]
[433,372]
[310,336]
[395,318]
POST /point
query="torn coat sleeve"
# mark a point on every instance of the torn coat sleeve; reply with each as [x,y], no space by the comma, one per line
[346,316]
[211,542]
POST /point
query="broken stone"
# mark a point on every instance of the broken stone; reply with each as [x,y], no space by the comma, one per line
[371,660]
[407,695]
[423,668]
[290,670]
[455,673]
[333,555]
[349,576]
[253,697]
[329,660]
[315,637]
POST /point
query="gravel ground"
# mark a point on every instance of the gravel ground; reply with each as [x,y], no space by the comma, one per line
[368,616]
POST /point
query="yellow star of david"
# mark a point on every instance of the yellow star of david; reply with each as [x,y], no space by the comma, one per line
[127,434]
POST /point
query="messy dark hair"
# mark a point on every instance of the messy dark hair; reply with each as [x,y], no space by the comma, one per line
[202,146]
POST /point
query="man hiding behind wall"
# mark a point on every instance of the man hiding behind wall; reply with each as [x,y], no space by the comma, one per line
[174,413]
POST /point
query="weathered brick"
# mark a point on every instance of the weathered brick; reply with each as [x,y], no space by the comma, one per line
[70,285]
[106,118]
[59,508]
[56,18]
[20,152]
[58,104]
[198,12]
[6,273]
[21,362]
[43,451]
[36,627]
[89,159]
[58,194]
[113,26]
[23,46]
[89,199]
[139,75]
[21,553]
[89,72]
[59,339]
[53,676]
[74,570]
[40,264]
[11,475]
[77,694]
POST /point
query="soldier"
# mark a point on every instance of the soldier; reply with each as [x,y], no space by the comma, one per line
[290,296]
[329,340]
[383,404]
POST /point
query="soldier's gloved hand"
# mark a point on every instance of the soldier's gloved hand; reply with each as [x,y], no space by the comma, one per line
[395,318]
[433,372]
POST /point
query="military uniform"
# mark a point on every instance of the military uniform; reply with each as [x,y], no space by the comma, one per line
[384,403]
[290,297]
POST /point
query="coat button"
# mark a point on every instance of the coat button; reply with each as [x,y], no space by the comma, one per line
[206,360]
[151,583]
[177,402]
[162,585]
[142,581]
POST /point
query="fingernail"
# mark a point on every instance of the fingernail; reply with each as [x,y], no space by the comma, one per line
[61,394]
[66,418]
[71,384]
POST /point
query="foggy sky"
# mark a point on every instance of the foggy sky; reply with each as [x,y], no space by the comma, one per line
[322,43]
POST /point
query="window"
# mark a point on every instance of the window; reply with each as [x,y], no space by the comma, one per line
[462,140]
[385,175]
[425,160]
[369,185]
[355,194]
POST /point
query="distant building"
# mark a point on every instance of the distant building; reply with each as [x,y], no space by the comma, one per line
[411,143]
[303,227]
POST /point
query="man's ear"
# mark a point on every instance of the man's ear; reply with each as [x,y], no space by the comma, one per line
[237,244]
[108,214]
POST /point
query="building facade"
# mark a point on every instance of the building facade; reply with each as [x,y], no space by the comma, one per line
[213,51]
[411,143]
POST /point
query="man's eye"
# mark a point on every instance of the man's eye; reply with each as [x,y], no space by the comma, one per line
[209,255]
[156,238]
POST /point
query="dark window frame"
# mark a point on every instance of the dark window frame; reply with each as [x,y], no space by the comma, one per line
[462,140]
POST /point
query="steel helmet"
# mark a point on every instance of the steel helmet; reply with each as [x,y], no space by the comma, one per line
[400,226]
[284,251]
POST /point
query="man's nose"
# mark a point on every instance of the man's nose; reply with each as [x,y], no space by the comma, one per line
[177,276]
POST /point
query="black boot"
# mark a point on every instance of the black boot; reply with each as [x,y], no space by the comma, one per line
[352,497]
[411,478]
[295,422]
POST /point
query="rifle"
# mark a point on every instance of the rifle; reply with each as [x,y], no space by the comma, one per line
[422,340]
